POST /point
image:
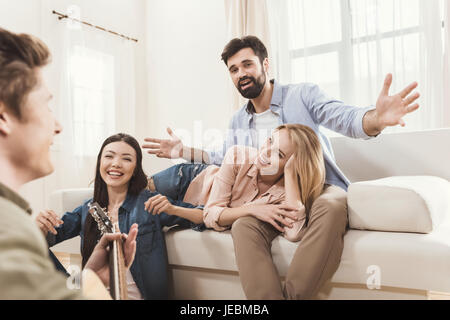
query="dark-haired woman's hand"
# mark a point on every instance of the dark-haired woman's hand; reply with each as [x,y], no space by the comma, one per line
[158,204]
[47,220]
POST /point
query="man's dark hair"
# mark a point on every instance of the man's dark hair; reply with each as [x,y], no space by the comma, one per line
[237,44]
[20,56]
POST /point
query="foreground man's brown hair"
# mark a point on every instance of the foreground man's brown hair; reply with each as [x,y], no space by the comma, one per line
[20,56]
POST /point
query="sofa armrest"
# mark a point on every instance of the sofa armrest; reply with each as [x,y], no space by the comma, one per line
[416,204]
[66,200]
[63,201]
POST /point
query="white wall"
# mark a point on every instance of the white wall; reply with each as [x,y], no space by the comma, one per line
[187,82]
[21,15]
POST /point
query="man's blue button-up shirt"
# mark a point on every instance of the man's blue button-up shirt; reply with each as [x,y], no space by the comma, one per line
[304,104]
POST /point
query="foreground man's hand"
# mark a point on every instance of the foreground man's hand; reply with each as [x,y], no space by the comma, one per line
[99,263]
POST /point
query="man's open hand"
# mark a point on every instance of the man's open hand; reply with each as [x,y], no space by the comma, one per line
[165,148]
[390,110]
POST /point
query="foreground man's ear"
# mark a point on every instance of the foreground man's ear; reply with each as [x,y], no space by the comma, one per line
[5,121]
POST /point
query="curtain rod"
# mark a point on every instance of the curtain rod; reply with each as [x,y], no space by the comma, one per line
[64,16]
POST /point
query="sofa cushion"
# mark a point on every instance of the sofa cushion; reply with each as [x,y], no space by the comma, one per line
[399,204]
[404,260]
[66,200]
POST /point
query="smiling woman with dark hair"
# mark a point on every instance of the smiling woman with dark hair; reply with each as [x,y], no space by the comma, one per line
[109,187]
[120,188]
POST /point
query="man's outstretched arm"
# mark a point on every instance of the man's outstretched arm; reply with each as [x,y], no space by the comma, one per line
[174,149]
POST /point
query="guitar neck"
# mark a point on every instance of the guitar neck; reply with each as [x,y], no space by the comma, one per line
[117,270]
[118,281]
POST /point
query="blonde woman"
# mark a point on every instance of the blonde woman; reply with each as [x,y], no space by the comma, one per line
[276,184]
[278,190]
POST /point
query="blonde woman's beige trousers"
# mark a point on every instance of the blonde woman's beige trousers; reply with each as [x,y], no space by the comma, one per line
[316,258]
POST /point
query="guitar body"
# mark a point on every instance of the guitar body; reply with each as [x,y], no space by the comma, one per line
[93,287]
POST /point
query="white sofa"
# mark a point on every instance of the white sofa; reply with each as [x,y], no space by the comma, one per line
[374,265]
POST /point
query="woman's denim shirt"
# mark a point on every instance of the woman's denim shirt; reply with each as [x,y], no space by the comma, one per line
[149,269]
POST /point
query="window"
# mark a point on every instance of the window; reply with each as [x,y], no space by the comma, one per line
[325,30]
[92,96]
[315,46]
[348,46]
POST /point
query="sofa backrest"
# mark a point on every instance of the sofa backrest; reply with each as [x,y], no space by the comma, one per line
[399,154]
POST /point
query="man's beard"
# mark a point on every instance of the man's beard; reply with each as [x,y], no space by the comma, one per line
[255,90]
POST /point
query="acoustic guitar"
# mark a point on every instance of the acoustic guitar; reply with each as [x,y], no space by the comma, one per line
[117,280]
[93,288]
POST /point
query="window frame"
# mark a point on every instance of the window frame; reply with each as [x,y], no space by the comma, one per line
[344,48]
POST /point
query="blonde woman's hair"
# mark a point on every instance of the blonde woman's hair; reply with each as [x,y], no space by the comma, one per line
[309,163]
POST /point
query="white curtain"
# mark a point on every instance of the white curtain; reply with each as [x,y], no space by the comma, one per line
[348,46]
[93,80]
[247,17]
